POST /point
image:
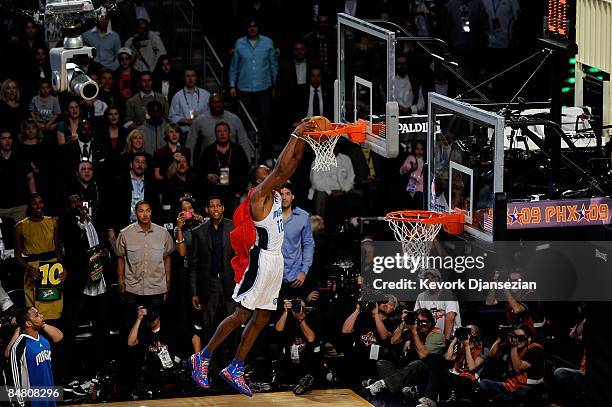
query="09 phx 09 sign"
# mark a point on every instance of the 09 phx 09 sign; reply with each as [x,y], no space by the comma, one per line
[561,213]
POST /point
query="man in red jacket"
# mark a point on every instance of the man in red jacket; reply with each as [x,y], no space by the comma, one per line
[257,291]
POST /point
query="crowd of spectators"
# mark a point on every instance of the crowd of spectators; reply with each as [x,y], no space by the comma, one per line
[133,194]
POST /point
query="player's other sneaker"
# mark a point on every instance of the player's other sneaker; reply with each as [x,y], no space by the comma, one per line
[199,370]
[234,375]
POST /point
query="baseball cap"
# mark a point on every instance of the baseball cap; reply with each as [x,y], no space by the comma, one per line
[124,50]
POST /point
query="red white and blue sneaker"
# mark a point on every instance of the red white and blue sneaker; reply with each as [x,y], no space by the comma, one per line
[234,375]
[199,369]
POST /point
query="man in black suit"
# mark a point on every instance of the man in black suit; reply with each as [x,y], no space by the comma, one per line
[210,273]
[293,73]
[313,100]
[126,191]
[85,148]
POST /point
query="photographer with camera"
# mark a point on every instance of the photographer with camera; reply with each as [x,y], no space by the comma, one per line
[149,346]
[372,326]
[519,305]
[465,351]
[423,344]
[299,346]
[524,367]
[147,46]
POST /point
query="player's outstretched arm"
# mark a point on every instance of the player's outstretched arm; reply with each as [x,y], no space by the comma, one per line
[287,163]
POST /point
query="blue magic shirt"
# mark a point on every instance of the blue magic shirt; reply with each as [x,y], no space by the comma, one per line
[298,245]
[253,68]
[31,366]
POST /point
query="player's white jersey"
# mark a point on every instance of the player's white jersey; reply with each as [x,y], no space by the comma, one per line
[270,231]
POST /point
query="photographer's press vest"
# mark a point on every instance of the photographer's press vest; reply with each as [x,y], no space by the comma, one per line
[519,379]
[461,366]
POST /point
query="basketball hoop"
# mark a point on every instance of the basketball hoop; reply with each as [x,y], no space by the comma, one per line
[323,142]
[417,230]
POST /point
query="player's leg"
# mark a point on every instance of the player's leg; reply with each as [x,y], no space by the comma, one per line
[234,373]
[201,360]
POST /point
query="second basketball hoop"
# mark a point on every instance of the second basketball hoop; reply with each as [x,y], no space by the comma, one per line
[323,140]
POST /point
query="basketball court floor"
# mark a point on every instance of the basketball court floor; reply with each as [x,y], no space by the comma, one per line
[335,397]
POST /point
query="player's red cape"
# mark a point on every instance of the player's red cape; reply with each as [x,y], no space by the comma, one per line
[242,237]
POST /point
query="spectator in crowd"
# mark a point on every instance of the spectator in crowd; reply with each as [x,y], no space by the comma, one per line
[113,135]
[144,265]
[128,13]
[321,46]
[372,329]
[41,67]
[29,41]
[264,11]
[408,89]
[225,167]
[298,332]
[107,91]
[88,190]
[369,171]
[467,356]
[331,189]
[85,148]
[202,131]
[146,45]
[16,178]
[134,144]
[165,80]
[210,274]
[154,127]
[67,129]
[519,305]
[130,189]
[180,184]
[126,77]
[37,252]
[136,106]
[525,366]
[36,155]
[12,111]
[569,385]
[31,353]
[293,72]
[186,221]
[44,107]
[413,167]
[464,27]
[255,86]
[86,288]
[428,364]
[298,245]
[106,42]
[189,102]
[314,100]
[441,303]
[166,158]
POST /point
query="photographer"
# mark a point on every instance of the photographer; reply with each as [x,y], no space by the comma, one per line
[465,351]
[427,367]
[146,45]
[441,303]
[518,304]
[298,338]
[370,322]
[525,365]
[150,348]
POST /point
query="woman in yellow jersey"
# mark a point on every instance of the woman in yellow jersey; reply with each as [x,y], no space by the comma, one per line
[36,250]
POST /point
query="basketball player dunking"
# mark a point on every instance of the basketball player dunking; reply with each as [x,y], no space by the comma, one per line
[257,291]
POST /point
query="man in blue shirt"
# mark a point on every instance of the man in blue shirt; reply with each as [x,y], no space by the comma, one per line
[252,76]
[106,42]
[298,245]
[31,354]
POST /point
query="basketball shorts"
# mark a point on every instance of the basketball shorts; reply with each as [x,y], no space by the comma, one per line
[262,280]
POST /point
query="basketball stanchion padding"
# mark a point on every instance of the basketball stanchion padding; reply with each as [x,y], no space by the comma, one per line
[417,230]
[323,140]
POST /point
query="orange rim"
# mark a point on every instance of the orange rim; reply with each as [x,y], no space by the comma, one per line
[426,217]
[354,131]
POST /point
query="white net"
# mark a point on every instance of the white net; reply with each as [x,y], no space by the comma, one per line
[416,237]
[323,148]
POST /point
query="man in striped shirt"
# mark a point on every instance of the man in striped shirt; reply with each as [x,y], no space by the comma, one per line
[30,354]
